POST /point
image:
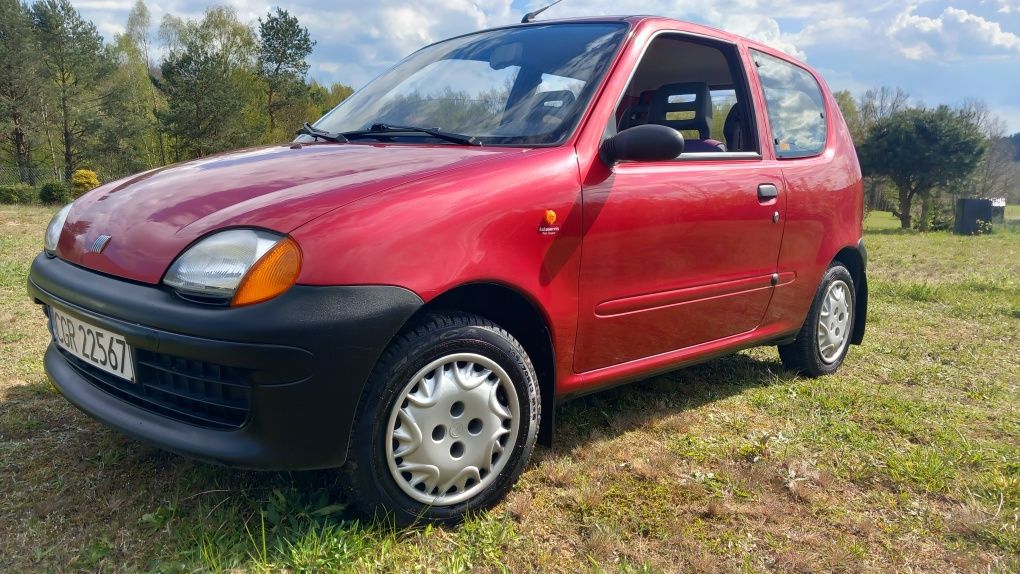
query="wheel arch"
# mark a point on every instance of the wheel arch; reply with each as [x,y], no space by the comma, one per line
[523,318]
[856,261]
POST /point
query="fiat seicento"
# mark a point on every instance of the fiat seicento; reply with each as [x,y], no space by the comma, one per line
[502,221]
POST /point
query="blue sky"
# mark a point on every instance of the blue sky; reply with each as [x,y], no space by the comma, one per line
[938,51]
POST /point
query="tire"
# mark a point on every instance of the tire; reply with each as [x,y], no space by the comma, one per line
[455,392]
[813,353]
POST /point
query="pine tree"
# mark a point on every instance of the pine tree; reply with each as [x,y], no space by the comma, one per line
[20,83]
[284,46]
[74,57]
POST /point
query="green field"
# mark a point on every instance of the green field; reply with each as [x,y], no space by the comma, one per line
[908,460]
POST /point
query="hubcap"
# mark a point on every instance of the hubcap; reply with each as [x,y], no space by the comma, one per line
[834,322]
[452,429]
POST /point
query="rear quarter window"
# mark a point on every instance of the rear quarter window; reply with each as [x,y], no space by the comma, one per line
[795,105]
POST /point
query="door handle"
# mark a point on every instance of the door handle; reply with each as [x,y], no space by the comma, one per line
[767,191]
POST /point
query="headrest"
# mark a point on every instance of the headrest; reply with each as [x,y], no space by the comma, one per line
[733,129]
[636,113]
[549,106]
[555,99]
[690,99]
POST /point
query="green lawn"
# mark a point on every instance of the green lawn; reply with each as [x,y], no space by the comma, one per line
[908,460]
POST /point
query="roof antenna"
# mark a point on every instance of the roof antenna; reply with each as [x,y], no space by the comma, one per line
[530,16]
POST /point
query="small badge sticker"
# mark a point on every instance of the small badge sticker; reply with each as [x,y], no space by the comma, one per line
[548,225]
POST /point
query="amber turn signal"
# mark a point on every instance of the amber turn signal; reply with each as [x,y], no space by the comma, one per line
[271,275]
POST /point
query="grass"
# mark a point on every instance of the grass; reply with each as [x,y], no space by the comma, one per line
[907,460]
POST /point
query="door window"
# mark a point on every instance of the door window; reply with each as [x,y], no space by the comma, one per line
[696,87]
[795,106]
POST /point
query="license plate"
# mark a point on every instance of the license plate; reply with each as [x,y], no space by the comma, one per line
[97,347]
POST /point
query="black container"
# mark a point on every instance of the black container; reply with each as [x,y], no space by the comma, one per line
[969,212]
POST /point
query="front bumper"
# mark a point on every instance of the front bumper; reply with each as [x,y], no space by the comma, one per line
[300,361]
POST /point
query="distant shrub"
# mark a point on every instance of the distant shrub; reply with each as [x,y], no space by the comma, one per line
[982,227]
[18,193]
[942,221]
[54,192]
[83,181]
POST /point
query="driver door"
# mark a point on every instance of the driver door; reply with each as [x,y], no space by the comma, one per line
[683,252]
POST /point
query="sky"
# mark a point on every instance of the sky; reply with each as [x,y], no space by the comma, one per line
[940,52]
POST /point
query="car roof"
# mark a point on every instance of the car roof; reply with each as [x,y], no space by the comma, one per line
[635,19]
[666,23]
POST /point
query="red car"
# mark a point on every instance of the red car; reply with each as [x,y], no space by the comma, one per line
[502,221]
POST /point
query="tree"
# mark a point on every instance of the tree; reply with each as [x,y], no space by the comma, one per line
[138,25]
[19,80]
[874,105]
[993,176]
[124,140]
[73,54]
[851,115]
[323,99]
[70,99]
[880,103]
[284,46]
[209,81]
[920,150]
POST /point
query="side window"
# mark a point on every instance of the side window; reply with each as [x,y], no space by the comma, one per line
[795,105]
[696,87]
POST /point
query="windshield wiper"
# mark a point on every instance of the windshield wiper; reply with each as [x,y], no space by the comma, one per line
[377,129]
[309,130]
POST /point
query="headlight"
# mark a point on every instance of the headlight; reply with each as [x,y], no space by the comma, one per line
[243,265]
[54,228]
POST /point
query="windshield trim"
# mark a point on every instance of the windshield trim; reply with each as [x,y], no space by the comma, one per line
[569,136]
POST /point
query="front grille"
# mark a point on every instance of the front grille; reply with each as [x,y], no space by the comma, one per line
[195,392]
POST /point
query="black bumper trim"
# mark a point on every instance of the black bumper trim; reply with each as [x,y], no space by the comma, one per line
[861,312]
[310,353]
[136,396]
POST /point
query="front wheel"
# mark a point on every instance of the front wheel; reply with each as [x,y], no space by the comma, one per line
[447,422]
[824,339]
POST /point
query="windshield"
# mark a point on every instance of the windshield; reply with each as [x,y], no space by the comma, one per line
[526,85]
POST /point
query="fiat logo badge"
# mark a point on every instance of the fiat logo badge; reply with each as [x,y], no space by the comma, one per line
[100,244]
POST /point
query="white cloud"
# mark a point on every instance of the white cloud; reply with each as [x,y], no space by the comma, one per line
[952,35]
[1010,115]
[832,30]
[370,37]
[855,44]
[753,19]
[1004,6]
[104,5]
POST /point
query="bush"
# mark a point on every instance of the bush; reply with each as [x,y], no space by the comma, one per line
[18,193]
[54,192]
[982,227]
[83,181]
[942,220]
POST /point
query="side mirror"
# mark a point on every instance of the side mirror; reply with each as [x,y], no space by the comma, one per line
[647,142]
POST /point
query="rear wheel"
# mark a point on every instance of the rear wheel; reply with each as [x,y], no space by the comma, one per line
[447,423]
[822,342]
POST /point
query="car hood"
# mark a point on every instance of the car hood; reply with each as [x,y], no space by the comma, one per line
[153,216]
